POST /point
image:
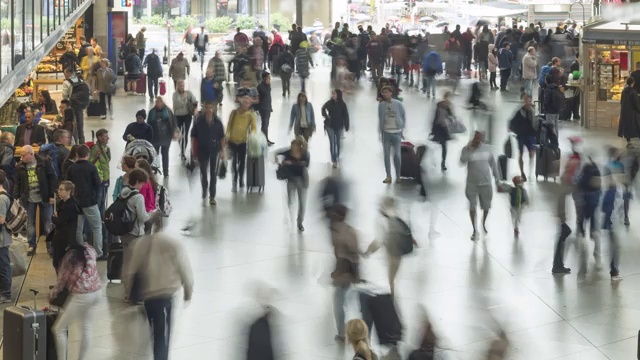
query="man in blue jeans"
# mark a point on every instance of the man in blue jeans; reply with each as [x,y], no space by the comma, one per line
[5,242]
[35,186]
[391,124]
[84,175]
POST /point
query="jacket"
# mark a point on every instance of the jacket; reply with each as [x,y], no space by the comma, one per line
[38,135]
[264,94]
[136,205]
[181,102]
[522,123]
[46,180]
[164,266]
[492,60]
[196,41]
[179,69]
[138,131]
[208,92]
[66,223]
[100,156]
[439,129]
[505,58]
[294,118]
[163,124]
[345,244]
[219,70]
[104,80]
[529,67]
[8,160]
[400,115]
[88,65]
[49,108]
[629,124]
[336,115]
[77,277]
[303,59]
[154,66]
[67,86]
[133,65]
[432,64]
[141,41]
[84,176]
[553,99]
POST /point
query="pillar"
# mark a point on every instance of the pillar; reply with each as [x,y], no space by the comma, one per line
[101,24]
[299,12]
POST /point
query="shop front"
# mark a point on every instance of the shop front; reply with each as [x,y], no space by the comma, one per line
[609,53]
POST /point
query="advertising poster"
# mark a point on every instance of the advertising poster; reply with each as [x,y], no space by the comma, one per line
[119,30]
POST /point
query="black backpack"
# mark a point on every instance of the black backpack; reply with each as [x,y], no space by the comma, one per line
[118,218]
[405,237]
[80,94]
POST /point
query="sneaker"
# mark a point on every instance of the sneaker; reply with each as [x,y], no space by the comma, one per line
[4,300]
[241,184]
[626,221]
[300,228]
[474,236]
[234,188]
[212,201]
[387,180]
[102,117]
[31,251]
[616,278]
[561,270]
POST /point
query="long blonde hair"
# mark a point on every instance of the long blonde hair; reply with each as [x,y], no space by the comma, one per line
[358,336]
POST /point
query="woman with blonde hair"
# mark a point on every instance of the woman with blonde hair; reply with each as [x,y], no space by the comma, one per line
[294,165]
[358,337]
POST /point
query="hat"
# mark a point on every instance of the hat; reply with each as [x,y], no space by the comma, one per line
[265,74]
[141,113]
[304,45]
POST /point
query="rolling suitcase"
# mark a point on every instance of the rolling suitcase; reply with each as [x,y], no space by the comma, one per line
[95,109]
[25,332]
[409,161]
[255,174]
[385,319]
[114,261]
[548,162]
[141,84]
[502,166]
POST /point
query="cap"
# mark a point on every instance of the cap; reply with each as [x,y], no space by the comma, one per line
[265,74]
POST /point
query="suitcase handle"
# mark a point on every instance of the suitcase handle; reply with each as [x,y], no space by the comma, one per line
[35,298]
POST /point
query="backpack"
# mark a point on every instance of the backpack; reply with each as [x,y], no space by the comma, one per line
[286,68]
[405,237]
[118,218]
[80,94]
[16,217]
[162,201]
[544,71]
[50,151]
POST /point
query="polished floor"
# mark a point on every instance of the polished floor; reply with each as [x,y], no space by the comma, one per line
[470,289]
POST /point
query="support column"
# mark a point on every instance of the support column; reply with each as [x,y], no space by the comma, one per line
[101,24]
[299,12]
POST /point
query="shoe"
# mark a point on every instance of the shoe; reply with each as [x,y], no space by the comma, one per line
[111,117]
[234,188]
[270,143]
[616,278]
[212,201]
[31,251]
[166,174]
[626,221]
[387,180]
[561,270]
[4,300]
[524,177]
[443,167]
[474,236]
[102,117]
[300,228]
[241,184]
[334,165]
[150,99]
[102,258]
[516,232]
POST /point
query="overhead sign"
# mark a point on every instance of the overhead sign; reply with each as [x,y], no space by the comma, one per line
[125,3]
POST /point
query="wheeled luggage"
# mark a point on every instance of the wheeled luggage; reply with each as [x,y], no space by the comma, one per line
[95,109]
[52,317]
[24,333]
[502,166]
[114,261]
[548,162]
[255,173]
[385,318]
[141,84]
[409,167]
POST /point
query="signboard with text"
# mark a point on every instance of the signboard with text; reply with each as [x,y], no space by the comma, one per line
[125,3]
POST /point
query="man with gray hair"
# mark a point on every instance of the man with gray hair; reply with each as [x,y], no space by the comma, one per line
[529,70]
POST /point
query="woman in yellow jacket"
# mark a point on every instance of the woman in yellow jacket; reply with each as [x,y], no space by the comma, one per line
[89,64]
[241,121]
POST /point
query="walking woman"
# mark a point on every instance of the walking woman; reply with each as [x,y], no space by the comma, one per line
[295,162]
[164,126]
[242,120]
[184,106]
[358,335]
[65,220]
[302,119]
[439,129]
[133,67]
[79,275]
[492,61]
[105,85]
[336,120]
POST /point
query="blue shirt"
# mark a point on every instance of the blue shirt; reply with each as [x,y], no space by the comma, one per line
[207,92]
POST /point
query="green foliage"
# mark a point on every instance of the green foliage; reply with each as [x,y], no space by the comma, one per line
[153,20]
[281,20]
[221,24]
[5,24]
[181,23]
[245,22]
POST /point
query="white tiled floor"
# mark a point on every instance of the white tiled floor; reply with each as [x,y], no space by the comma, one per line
[466,287]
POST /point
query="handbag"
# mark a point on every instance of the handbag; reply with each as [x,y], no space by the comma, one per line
[455,126]
[194,58]
[222,168]
[60,298]
[282,173]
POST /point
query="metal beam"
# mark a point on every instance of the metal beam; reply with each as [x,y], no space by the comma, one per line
[15,77]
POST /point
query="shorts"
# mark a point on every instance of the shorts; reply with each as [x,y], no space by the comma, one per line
[133,77]
[526,141]
[482,192]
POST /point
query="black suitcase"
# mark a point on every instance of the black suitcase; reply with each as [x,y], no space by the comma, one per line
[95,109]
[409,165]
[548,162]
[502,166]
[255,174]
[24,333]
[114,261]
[385,319]
[52,317]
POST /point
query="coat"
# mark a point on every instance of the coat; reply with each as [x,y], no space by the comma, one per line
[439,129]
[492,60]
[66,223]
[38,135]
[46,180]
[303,59]
[163,124]
[179,69]
[104,82]
[154,66]
[294,119]
[529,67]
[336,115]
[629,125]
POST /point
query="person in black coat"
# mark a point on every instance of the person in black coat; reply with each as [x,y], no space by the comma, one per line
[154,72]
[629,125]
[336,120]
[439,128]
[286,58]
[138,129]
[264,106]
[65,220]
[36,137]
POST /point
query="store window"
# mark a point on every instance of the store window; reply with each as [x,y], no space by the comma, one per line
[612,67]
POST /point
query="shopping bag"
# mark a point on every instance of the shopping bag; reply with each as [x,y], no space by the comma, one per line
[18,258]
[163,87]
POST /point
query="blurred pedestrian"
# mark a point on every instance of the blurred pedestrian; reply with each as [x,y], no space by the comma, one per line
[303,60]
[184,106]
[358,336]
[208,144]
[589,190]
[492,62]
[336,120]
[264,106]
[439,127]
[505,63]
[302,119]
[242,120]
[295,164]
[179,69]
[613,177]
[391,124]
[522,126]
[163,124]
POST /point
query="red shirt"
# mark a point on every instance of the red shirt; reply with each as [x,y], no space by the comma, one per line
[277,39]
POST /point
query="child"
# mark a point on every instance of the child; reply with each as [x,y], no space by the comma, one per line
[517,198]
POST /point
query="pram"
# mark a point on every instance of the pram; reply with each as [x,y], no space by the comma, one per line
[142,149]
